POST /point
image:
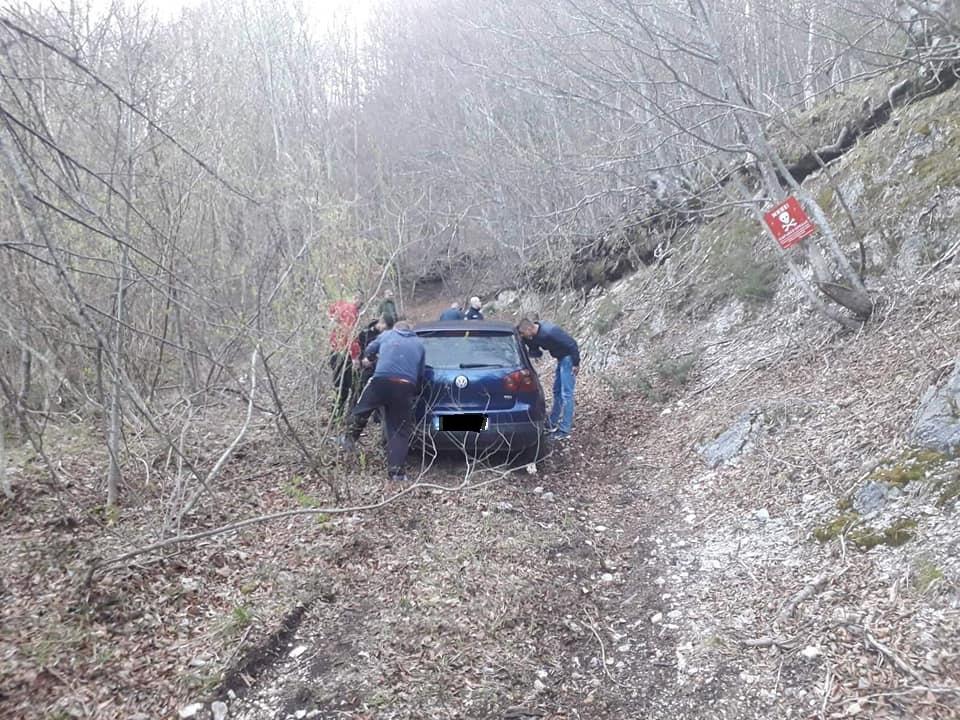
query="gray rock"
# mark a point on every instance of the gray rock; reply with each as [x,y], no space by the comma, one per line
[219,709]
[936,424]
[871,497]
[190,710]
[732,441]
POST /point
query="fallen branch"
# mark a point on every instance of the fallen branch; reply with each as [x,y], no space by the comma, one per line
[769,641]
[901,664]
[218,466]
[809,590]
[603,651]
[98,565]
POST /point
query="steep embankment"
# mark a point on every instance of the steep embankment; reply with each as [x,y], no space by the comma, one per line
[807,141]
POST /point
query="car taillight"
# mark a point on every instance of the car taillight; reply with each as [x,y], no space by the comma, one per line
[520,381]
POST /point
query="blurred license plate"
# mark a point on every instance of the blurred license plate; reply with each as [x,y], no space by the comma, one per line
[466,422]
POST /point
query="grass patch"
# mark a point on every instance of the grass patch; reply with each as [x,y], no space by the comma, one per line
[294,489]
[676,370]
[608,312]
[941,168]
[738,266]
[633,385]
[926,575]
[756,282]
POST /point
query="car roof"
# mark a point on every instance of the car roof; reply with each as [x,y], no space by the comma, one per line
[488,325]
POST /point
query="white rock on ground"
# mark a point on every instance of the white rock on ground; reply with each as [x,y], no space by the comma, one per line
[936,424]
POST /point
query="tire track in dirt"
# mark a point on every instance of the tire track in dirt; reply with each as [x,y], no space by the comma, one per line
[493,603]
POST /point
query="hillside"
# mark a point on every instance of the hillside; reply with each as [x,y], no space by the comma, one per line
[806,566]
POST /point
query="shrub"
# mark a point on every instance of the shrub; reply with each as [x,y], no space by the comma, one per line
[676,370]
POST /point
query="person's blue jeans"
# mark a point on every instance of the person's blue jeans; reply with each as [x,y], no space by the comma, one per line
[561,415]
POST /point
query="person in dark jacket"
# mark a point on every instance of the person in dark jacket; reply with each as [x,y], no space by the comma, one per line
[473,312]
[401,361]
[452,313]
[387,307]
[367,336]
[540,336]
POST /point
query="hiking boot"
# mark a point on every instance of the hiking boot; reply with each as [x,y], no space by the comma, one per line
[560,436]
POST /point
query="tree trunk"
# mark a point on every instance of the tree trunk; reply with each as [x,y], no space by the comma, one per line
[23,393]
[809,88]
[116,411]
[4,478]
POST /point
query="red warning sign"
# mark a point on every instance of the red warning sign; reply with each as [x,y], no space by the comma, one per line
[789,223]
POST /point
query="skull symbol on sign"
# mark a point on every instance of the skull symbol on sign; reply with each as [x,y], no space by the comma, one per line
[785,220]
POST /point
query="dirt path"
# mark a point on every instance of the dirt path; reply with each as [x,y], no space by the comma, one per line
[533,597]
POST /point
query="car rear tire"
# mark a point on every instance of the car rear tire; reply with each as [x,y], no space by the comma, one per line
[531,454]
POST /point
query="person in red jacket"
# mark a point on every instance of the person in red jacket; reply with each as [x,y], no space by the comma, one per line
[344,350]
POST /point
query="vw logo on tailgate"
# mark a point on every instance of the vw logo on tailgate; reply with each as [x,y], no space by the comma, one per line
[461,381]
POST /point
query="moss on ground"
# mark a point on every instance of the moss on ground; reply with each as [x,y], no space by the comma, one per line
[865,537]
[740,264]
[900,532]
[949,490]
[911,465]
[941,168]
[820,125]
[836,527]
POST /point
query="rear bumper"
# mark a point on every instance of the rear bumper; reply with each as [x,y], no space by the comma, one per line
[500,435]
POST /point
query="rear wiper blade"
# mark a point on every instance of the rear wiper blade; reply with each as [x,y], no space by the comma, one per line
[465,366]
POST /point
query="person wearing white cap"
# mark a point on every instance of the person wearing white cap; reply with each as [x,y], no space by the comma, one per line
[473,313]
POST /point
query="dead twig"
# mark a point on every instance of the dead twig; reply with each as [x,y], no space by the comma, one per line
[809,590]
[769,641]
[603,651]
[901,664]
[205,484]
[98,565]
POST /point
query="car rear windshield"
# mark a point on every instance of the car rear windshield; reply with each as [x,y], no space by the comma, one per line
[467,349]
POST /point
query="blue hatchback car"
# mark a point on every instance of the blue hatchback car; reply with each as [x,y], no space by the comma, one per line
[481,392]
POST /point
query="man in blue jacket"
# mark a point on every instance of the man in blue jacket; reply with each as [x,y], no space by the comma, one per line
[394,388]
[540,336]
[452,313]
